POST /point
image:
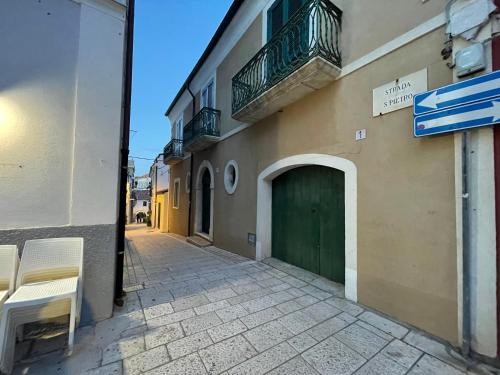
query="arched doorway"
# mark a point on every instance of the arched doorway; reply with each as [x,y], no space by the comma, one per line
[308,220]
[204,217]
[205,202]
[264,224]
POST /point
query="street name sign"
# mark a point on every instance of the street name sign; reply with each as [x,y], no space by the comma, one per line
[399,93]
[466,104]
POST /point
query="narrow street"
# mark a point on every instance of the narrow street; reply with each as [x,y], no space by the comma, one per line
[207,311]
[210,311]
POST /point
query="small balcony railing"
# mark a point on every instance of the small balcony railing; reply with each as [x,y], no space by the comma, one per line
[202,130]
[173,151]
[313,31]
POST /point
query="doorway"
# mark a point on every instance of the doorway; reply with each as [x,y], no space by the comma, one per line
[159,216]
[206,202]
[308,220]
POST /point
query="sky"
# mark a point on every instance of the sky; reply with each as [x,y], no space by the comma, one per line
[169,38]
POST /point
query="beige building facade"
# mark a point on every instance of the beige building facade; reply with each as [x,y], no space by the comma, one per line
[401,237]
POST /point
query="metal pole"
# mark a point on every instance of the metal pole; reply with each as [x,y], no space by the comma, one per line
[127,93]
[466,248]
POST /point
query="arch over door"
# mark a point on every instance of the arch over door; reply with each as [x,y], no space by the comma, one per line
[308,220]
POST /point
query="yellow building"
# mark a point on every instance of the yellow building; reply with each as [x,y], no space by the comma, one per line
[293,137]
[159,174]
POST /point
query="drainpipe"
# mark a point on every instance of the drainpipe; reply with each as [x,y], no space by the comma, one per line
[156,191]
[191,165]
[466,256]
[124,152]
[466,244]
[156,188]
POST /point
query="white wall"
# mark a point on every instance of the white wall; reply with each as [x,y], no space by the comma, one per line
[60,112]
[139,207]
[97,118]
[142,182]
[37,100]
[163,177]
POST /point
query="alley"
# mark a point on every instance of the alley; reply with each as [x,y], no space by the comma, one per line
[210,311]
[207,311]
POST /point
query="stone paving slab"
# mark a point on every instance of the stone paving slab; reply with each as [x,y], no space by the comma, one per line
[189,365]
[296,366]
[402,353]
[163,335]
[144,361]
[226,354]
[267,335]
[198,311]
[266,361]
[230,313]
[381,365]
[333,357]
[122,349]
[189,344]
[361,340]
[227,330]
[200,323]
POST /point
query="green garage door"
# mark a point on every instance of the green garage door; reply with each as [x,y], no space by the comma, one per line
[308,220]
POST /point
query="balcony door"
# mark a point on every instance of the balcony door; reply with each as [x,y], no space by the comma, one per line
[207,95]
[293,44]
[179,134]
[178,129]
[279,14]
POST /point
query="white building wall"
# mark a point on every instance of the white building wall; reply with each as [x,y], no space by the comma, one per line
[37,110]
[162,177]
[60,112]
[61,74]
[97,118]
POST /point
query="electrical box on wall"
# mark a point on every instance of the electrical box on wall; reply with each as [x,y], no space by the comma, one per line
[470,60]
[252,239]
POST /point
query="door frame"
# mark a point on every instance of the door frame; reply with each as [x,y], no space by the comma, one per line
[264,209]
[205,165]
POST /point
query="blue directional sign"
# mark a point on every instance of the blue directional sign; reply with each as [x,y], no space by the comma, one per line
[486,112]
[460,93]
[462,105]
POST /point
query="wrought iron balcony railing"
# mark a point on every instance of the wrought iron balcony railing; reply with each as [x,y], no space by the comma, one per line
[314,30]
[204,123]
[173,149]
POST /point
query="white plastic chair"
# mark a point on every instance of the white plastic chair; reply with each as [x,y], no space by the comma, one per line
[9,262]
[49,284]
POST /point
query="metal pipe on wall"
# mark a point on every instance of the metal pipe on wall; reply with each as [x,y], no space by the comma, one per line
[124,152]
[193,112]
[466,268]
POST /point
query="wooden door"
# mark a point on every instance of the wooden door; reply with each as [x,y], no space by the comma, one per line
[206,202]
[308,219]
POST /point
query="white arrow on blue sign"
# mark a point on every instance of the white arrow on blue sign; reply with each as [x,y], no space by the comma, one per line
[473,115]
[460,93]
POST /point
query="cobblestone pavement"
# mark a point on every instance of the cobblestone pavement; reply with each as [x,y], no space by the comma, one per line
[207,311]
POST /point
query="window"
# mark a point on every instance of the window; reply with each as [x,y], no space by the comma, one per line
[179,127]
[231,176]
[208,95]
[144,203]
[177,191]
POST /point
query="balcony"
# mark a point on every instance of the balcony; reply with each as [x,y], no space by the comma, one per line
[303,56]
[202,130]
[173,153]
